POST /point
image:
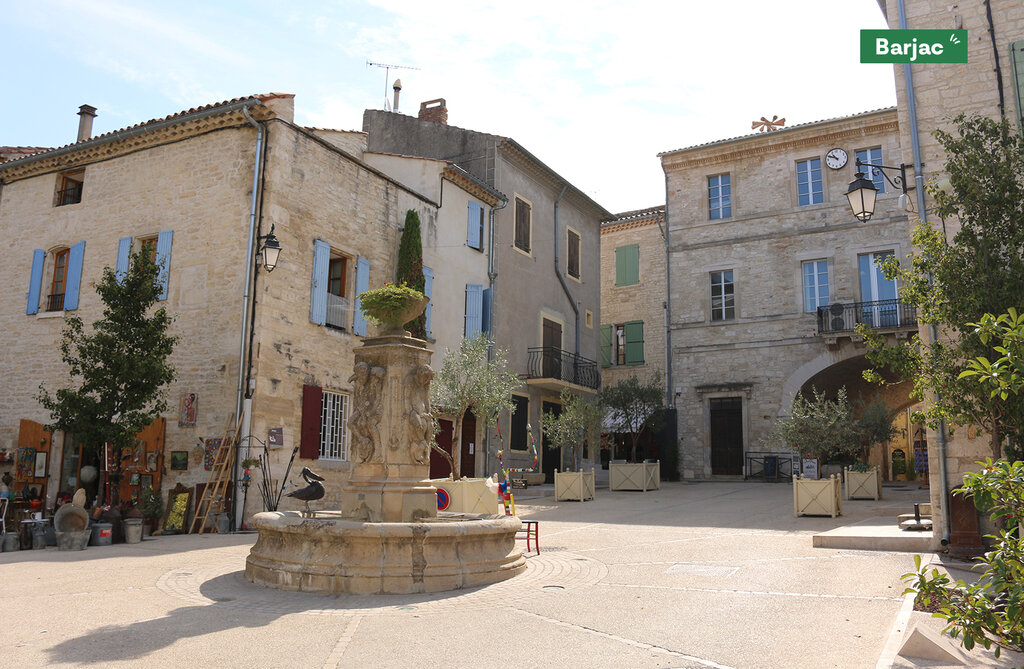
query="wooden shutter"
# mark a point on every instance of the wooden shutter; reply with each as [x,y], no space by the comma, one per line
[474,226]
[124,257]
[428,291]
[362,285]
[522,232]
[318,288]
[76,254]
[485,316]
[309,434]
[634,335]
[573,252]
[1017,77]
[163,260]
[606,345]
[627,265]
[35,282]
[474,310]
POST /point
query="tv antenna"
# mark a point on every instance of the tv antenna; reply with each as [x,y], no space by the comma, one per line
[387,73]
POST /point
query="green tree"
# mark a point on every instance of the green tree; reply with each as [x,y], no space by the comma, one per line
[119,371]
[410,267]
[469,380]
[578,423]
[819,427]
[634,406]
[954,283]
[874,423]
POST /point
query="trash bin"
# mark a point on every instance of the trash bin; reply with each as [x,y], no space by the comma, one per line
[102,534]
[132,530]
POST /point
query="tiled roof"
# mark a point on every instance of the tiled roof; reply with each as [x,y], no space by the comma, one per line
[262,98]
[12,152]
[775,133]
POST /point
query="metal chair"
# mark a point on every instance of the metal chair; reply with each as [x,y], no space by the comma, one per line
[3,515]
[529,531]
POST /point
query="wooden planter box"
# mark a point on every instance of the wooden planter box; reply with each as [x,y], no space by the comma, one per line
[817,497]
[634,476]
[863,485]
[574,485]
[468,496]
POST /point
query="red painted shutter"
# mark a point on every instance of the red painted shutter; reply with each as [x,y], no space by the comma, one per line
[309,438]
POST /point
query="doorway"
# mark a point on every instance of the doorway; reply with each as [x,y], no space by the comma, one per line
[549,458]
[439,467]
[726,436]
[882,308]
[552,341]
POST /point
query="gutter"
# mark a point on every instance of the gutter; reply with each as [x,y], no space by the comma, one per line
[558,272]
[940,445]
[669,395]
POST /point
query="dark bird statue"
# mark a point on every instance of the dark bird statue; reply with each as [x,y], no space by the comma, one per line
[312,492]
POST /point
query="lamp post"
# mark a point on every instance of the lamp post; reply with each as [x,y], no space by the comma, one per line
[862,191]
[270,250]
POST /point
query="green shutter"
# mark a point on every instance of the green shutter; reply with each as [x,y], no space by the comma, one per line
[634,336]
[606,345]
[1017,63]
[627,265]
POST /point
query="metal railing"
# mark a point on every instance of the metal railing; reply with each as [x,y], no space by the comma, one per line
[55,302]
[881,315]
[72,194]
[547,362]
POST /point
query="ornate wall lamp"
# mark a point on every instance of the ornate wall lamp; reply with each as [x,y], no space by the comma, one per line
[862,191]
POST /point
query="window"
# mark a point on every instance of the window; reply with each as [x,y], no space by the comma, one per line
[474,324]
[518,437]
[808,182]
[334,425]
[69,188]
[156,247]
[873,156]
[55,301]
[622,344]
[524,223]
[428,291]
[475,227]
[589,318]
[723,299]
[337,299]
[719,197]
[627,265]
[332,294]
[573,253]
[815,274]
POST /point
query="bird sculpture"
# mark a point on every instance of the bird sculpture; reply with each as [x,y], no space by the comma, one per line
[312,492]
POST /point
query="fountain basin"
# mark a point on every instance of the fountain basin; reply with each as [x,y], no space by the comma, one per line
[335,555]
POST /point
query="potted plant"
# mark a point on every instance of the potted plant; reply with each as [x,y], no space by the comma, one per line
[152,507]
[578,423]
[392,306]
[876,427]
[634,407]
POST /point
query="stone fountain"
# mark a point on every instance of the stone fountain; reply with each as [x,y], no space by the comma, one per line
[388,537]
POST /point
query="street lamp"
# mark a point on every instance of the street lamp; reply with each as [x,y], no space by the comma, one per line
[862,191]
[270,250]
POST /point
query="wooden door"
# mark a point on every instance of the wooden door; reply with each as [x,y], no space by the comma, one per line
[727,436]
[468,464]
[552,343]
[144,463]
[550,459]
[439,467]
[32,435]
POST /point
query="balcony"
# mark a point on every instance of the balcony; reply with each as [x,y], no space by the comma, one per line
[554,369]
[884,315]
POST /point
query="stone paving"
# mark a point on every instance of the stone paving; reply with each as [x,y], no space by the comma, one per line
[692,575]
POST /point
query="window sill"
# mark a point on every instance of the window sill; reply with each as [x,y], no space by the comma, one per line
[525,253]
[333,465]
[50,314]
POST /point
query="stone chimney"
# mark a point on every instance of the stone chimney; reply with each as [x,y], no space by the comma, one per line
[398,89]
[434,110]
[86,114]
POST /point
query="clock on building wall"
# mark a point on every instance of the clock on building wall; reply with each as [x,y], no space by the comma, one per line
[836,158]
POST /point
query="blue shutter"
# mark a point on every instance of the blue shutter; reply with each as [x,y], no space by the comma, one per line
[163,260]
[124,257]
[473,228]
[362,285]
[318,292]
[75,257]
[485,318]
[428,290]
[474,309]
[35,282]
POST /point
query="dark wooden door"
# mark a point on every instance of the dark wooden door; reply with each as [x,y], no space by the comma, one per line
[439,467]
[552,362]
[550,459]
[727,436]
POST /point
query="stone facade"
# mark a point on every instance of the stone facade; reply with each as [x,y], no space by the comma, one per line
[984,85]
[739,358]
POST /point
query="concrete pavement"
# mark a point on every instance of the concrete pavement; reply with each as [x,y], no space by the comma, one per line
[692,575]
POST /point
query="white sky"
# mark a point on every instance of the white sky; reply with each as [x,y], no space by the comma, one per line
[593,89]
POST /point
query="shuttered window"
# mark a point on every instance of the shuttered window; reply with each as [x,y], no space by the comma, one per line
[523,224]
[475,226]
[163,261]
[318,288]
[309,431]
[573,253]
[627,265]
[606,345]
[1017,77]
[485,317]
[518,435]
[428,291]
[362,285]
[474,310]
[634,336]
[35,282]
[334,412]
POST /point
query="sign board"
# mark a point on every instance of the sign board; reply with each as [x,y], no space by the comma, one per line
[519,483]
[275,438]
[810,468]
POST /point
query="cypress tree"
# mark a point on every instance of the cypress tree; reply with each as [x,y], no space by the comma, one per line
[410,266]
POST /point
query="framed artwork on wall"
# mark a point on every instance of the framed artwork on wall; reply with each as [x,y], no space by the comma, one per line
[40,469]
[179,460]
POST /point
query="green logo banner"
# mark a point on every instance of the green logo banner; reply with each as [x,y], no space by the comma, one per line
[913,46]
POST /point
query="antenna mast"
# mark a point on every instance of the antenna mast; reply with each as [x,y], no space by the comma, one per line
[387,71]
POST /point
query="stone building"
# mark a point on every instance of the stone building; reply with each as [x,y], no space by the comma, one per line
[199,187]
[928,97]
[544,290]
[770,272]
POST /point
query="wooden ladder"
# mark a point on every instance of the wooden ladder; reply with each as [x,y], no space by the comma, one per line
[212,500]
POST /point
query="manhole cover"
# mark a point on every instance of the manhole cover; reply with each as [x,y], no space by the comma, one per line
[553,587]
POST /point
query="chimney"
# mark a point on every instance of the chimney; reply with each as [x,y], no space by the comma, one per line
[398,89]
[86,113]
[434,110]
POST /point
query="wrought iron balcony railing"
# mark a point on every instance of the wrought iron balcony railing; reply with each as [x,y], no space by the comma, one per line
[554,363]
[55,302]
[880,315]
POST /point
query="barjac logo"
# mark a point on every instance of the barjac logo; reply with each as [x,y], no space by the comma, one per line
[913,46]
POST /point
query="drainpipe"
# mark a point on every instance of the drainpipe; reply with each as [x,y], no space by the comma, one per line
[670,396]
[561,279]
[940,446]
[492,277]
[243,403]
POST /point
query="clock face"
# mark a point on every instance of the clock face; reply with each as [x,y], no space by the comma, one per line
[836,158]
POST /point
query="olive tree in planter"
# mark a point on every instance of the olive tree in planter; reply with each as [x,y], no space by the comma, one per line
[633,407]
[578,423]
[875,424]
